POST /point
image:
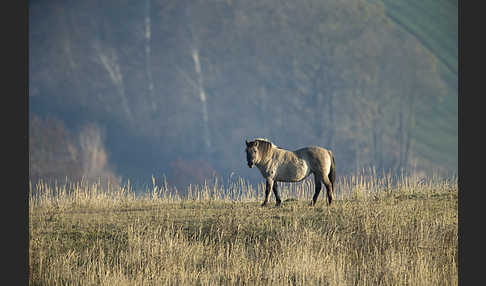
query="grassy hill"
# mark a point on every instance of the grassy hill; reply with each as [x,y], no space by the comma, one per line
[435,25]
[86,235]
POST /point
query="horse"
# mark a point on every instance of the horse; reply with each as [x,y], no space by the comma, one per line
[280,165]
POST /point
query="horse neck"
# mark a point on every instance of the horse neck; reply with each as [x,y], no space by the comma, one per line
[265,160]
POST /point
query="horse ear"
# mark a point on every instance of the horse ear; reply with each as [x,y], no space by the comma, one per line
[247,143]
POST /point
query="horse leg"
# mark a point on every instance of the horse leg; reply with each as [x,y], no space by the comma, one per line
[268,187]
[275,192]
[330,191]
[318,184]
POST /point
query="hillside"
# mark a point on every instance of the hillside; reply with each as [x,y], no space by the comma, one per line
[435,25]
[173,88]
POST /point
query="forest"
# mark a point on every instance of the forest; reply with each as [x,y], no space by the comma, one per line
[172,88]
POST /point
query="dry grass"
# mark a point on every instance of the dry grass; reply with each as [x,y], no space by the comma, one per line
[375,233]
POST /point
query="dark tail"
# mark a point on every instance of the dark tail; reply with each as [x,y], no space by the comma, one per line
[332,172]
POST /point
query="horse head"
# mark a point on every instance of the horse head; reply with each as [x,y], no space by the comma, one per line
[251,153]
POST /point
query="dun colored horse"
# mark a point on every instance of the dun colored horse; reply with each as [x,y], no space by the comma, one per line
[280,165]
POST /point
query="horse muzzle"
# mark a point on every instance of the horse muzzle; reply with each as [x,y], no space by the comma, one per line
[250,164]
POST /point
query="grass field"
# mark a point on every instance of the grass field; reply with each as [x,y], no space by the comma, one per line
[377,232]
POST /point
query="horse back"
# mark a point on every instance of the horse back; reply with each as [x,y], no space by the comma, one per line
[318,158]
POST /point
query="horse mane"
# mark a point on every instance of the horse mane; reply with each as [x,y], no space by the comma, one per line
[264,140]
[264,147]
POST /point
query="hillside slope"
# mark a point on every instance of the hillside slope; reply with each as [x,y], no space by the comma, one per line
[435,25]
[175,87]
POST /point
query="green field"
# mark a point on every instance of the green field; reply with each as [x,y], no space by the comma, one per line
[375,233]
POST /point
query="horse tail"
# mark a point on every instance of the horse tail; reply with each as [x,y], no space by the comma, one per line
[332,172]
